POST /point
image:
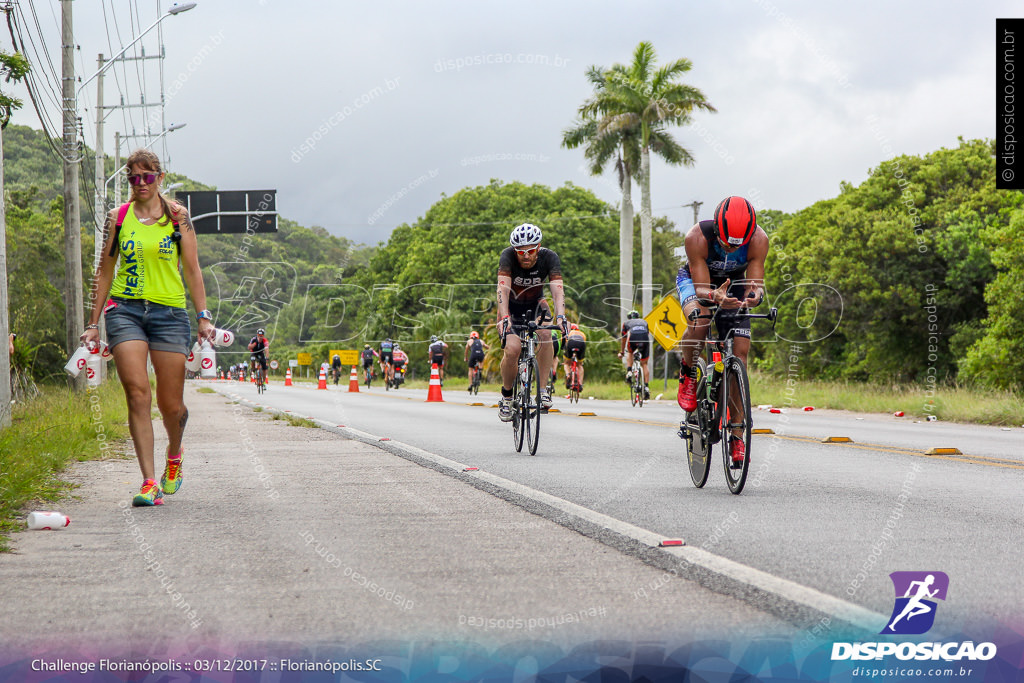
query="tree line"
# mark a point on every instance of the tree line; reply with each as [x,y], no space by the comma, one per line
[912,276]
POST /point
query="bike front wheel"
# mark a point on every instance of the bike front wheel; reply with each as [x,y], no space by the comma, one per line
[698,450]
[532,406]
[518,423]
[735,389]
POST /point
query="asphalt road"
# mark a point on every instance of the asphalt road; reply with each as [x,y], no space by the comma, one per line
[288,538]
[826,516]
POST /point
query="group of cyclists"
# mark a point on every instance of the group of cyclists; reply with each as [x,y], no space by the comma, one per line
[390,356]
[723,272]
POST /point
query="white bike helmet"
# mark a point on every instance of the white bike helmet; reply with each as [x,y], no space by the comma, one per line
[525,235]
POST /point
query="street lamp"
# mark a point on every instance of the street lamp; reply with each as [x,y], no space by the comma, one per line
[170,129]
[175,9]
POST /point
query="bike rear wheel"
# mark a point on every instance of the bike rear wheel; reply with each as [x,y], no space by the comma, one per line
[632,388]
[574,392]
[638,381]
[735,380]
[698,445]
[532,406]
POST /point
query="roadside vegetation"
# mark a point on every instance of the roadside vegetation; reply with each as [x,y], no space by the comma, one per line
[48,433]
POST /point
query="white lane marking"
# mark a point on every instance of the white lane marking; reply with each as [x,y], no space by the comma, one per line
[735,571]
[741,573]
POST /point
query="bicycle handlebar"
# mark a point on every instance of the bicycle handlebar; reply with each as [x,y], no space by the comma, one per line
[742,312]
[531,326]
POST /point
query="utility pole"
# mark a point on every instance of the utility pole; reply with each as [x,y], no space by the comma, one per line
[99,201]
[5,359]
[117,165]
[73,316]
[696,209]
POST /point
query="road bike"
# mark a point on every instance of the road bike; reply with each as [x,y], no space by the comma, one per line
[574,379]
[526,393]
[474,385]
[368,371]
[397,376]
[336,373]
[259,375]
[637,380]
[721,381]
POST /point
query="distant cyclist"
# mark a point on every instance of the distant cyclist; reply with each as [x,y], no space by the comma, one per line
[336,367]
[399,360]
[387,347]
[474,354]
[258,346]
[437,352]
[367,355]
[636,336]
[522,269]
[724,269]
[575,342]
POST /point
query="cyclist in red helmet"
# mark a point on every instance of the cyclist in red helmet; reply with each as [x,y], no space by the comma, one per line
[724,269]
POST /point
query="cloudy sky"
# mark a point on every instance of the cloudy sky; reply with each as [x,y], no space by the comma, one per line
[362,114]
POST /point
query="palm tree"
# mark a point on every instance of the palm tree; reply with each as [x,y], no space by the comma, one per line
[645,99]
[622,147]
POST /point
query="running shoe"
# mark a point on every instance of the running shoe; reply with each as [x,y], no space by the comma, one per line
[171,481]
[505,409]
[150,494]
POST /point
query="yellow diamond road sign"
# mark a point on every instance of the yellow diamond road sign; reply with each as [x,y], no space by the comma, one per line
[667,323]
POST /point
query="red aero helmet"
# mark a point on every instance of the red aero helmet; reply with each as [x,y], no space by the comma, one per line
[736,221]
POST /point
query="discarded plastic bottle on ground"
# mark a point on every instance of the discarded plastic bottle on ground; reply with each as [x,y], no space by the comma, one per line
[47,520]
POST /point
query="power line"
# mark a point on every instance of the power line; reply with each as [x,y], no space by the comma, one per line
[32,86]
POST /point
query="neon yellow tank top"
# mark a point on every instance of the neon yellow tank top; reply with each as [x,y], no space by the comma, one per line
[148,263]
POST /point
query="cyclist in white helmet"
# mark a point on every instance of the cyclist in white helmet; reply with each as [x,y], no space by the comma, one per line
[522,270]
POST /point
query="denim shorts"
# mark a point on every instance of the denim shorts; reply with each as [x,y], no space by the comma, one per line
[164,328]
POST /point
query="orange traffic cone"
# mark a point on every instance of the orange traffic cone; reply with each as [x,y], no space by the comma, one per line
[353,380]
[252,378]
[288,377]
[434,392]
[322,384]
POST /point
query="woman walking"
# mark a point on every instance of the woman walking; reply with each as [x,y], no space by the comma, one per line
[145,242]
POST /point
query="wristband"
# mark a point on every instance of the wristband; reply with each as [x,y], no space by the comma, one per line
[92,326]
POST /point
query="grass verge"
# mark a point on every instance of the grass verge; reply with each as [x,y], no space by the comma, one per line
[46,434]
[949,403]
[296,421]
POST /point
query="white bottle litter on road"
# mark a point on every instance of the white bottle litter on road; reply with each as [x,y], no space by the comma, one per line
[47,520]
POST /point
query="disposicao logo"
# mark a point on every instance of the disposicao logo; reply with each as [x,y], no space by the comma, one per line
[913,614]
[916,595]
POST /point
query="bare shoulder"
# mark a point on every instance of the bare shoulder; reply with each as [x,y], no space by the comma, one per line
[178,210]
[759,243]
[695,240]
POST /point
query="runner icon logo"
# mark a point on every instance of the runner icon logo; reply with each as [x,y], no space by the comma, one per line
[916,593]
